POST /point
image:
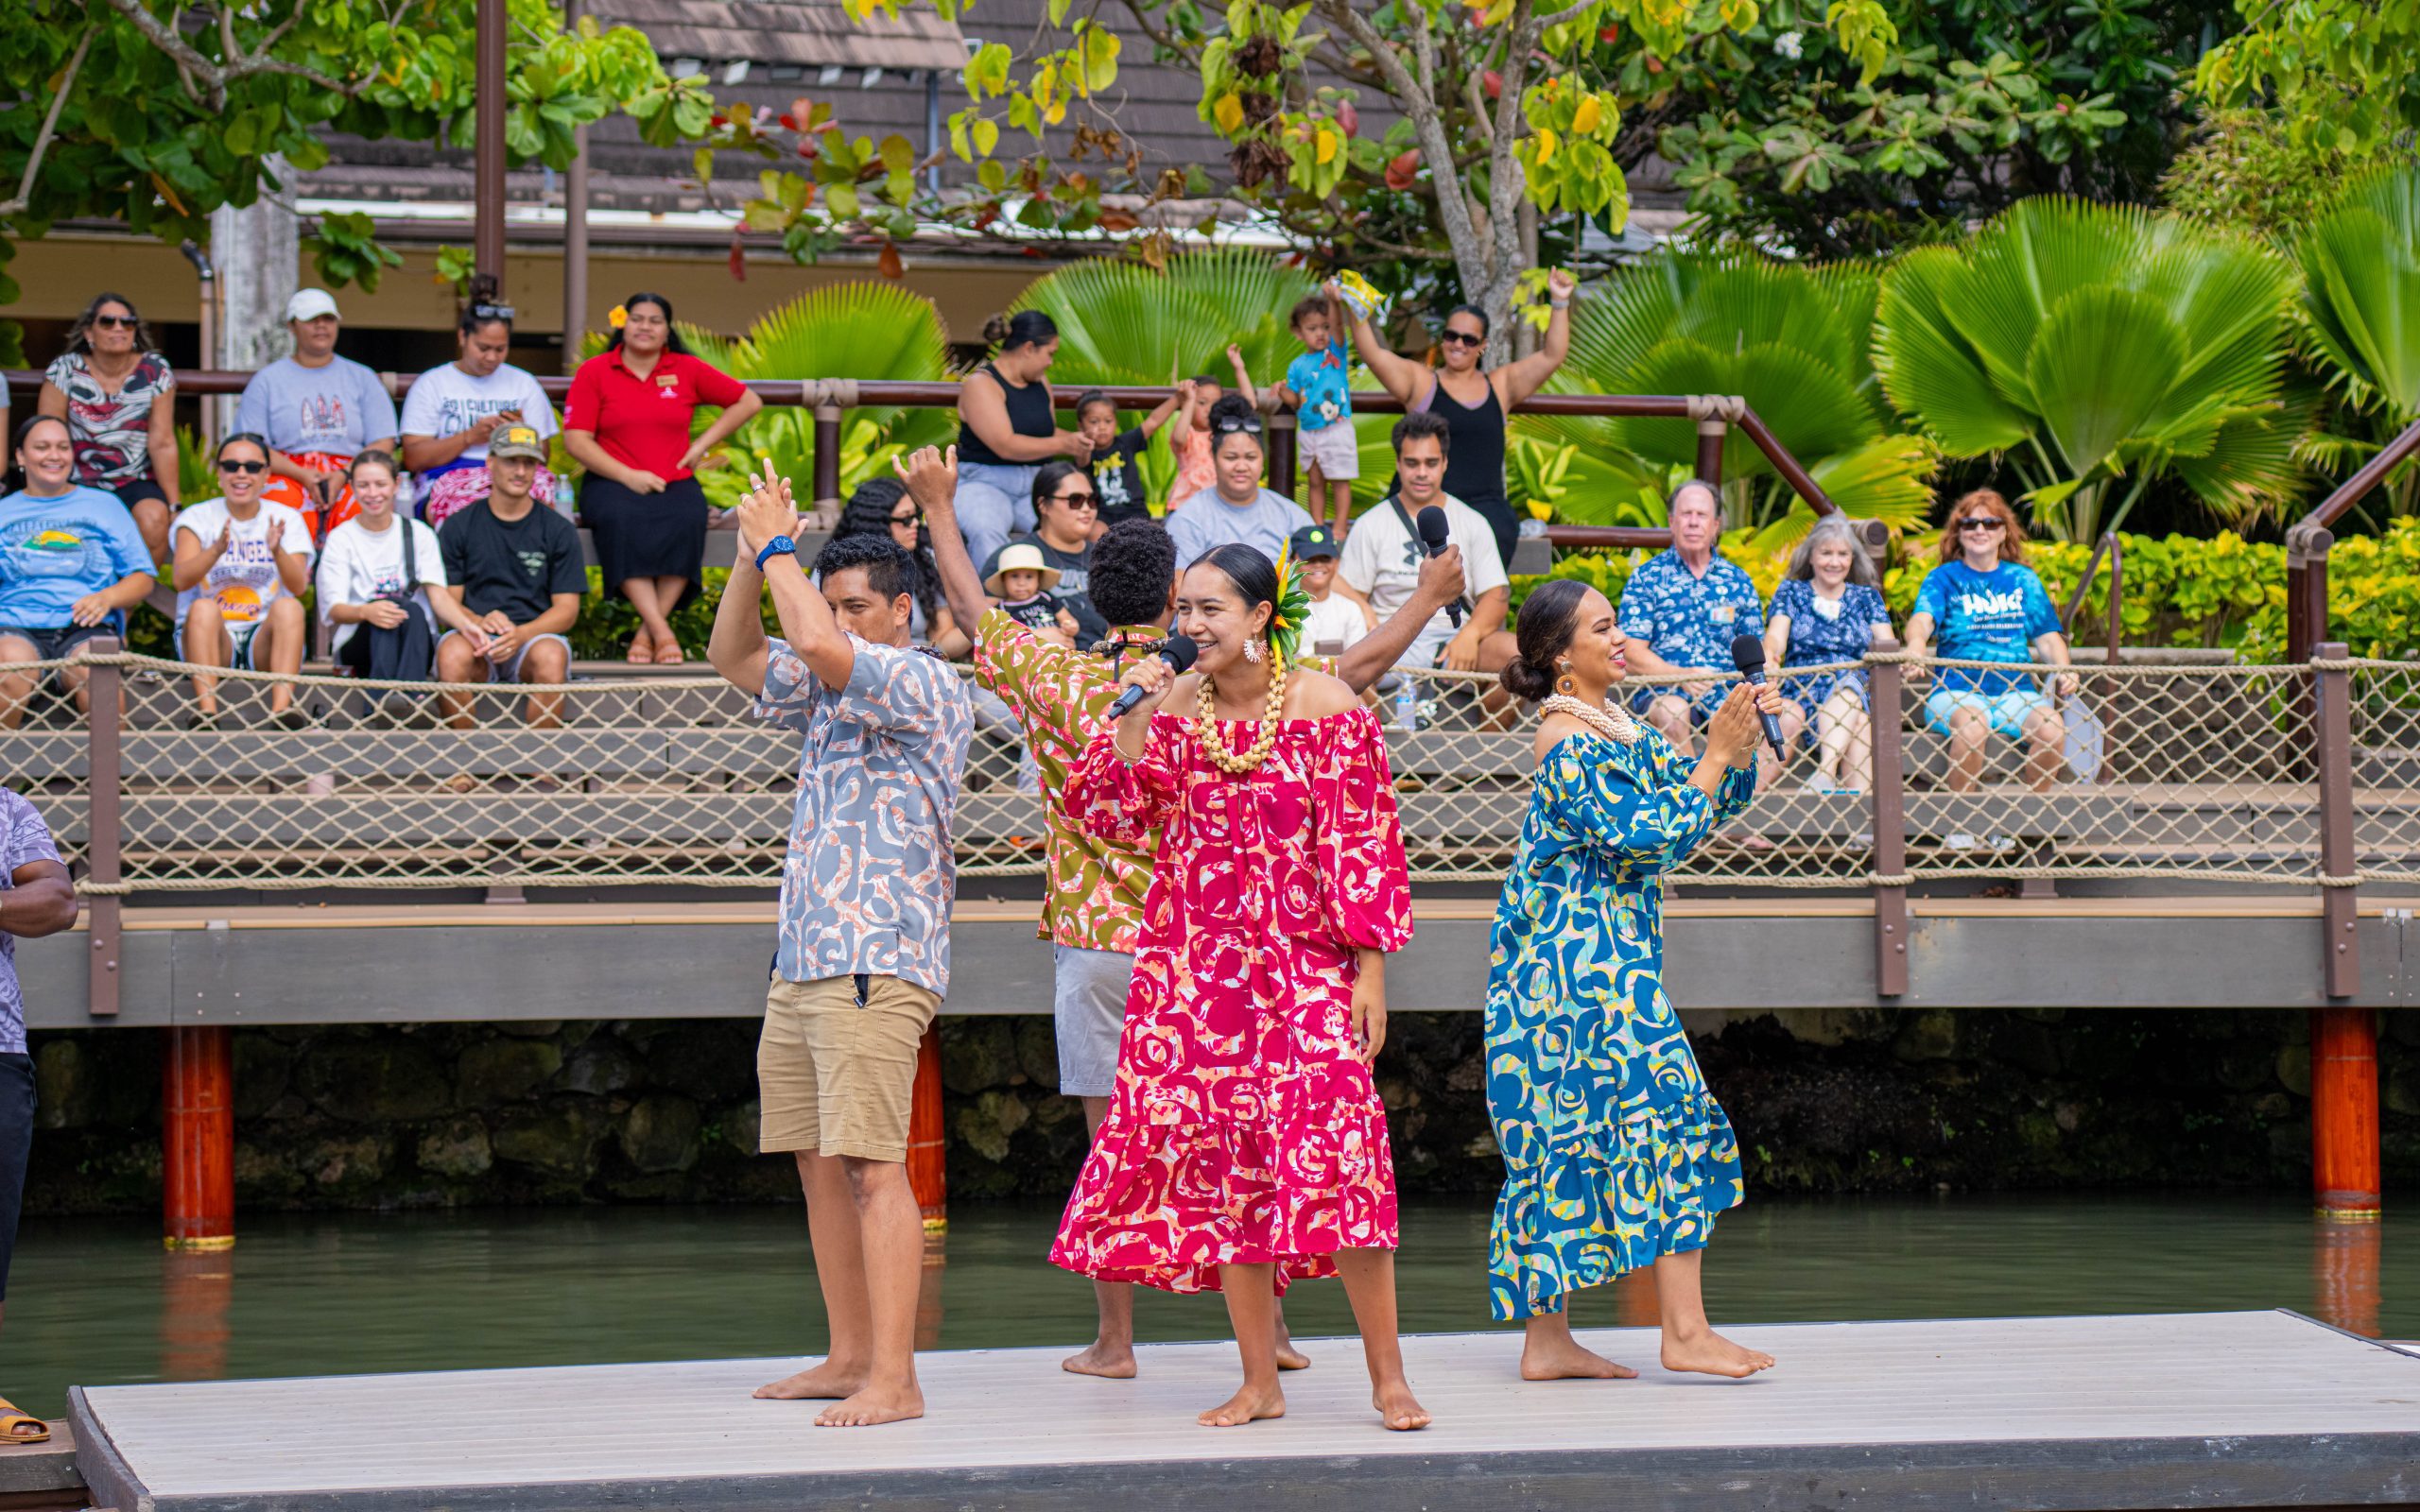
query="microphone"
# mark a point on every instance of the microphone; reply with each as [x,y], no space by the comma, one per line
[1748,655]
[1178,651]
[1437,535]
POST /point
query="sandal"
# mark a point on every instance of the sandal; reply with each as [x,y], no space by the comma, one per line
[642,652]
[670,655]
[21,1427]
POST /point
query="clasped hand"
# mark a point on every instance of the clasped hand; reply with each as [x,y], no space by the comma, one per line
[1733,733]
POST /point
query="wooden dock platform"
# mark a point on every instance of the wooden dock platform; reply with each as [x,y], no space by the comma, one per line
[2204,1411]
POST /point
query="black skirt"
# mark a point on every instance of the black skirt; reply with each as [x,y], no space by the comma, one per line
[646,535]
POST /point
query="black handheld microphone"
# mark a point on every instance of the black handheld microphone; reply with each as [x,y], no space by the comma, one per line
[1178,651]
[1437,535]
[1748,655]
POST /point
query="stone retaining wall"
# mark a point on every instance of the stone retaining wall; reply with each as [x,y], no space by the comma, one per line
[665,1110]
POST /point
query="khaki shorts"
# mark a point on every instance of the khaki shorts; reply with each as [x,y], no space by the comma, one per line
[837,1076]
[1334,447]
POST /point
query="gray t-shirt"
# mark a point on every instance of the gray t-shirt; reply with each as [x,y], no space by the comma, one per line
[23,839]
[338,409]
[1207,519]
[868,877]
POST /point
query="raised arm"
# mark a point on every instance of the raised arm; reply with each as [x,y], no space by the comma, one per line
[768,510]
[1243,375]
[1516,381]
[1159,415]
[1397,375]
[1368,658]
[931,476]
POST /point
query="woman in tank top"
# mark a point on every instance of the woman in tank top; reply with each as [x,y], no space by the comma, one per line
[1006,429]
[1473,399]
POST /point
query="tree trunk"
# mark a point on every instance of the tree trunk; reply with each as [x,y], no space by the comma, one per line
[258,251]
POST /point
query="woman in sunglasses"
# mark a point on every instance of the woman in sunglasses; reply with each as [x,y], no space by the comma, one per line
[1989,606]
[117,395]
[243,562]
[1236,509]
[1473,399]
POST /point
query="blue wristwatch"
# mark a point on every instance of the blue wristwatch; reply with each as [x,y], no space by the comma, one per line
[778,546]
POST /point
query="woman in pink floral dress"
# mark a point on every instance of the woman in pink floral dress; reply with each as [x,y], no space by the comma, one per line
[1245,1146]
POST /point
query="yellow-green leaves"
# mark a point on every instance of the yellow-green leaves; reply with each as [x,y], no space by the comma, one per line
[1568,157]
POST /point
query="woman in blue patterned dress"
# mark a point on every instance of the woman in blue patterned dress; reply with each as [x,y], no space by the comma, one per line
[1615,1155]
[1829,608]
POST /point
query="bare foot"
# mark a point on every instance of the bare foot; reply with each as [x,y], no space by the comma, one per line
[1714,1355]
[1565,1359]
[1291,1358]
[1251,1404]
[827,1379]
[1113,1360]
[873,1405]
[1397,1408]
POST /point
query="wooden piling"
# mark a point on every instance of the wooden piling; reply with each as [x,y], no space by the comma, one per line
[928,1163]
[197,1138]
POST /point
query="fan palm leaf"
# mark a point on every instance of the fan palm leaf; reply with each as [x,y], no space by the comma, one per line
[2104,340]
[2360,308]
[1795,342]
[1123,322]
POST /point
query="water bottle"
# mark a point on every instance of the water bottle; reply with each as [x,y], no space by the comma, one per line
[1407,702]
[563,500]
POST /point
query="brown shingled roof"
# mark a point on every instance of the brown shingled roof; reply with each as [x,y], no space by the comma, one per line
[810,32]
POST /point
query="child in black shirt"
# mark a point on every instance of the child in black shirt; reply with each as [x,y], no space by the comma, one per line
[1116,478]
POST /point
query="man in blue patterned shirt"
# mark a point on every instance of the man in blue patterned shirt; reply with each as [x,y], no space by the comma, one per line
[863,951]
[1680,611]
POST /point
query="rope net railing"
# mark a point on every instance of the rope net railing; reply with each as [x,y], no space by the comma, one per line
[2186,772]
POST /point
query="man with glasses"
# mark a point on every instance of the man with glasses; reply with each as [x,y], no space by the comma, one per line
[1235,508]
[1680,611]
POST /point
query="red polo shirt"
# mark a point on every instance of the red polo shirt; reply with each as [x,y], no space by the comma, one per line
[643,423]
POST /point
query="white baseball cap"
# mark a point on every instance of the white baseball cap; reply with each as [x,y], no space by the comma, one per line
[309,304]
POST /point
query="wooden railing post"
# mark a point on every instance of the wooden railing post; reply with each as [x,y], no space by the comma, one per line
[104,916]
[1890,848]
[2346,1172]
[2332,741]
[827,464]
[1282,475]
[1710,438]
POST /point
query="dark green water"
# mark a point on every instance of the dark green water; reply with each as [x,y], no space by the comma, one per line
[99,1302]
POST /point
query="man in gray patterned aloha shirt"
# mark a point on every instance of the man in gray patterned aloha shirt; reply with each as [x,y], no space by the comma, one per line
[862,958]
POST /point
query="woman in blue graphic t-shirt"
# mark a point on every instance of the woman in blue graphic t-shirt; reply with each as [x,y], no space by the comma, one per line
[1989,606]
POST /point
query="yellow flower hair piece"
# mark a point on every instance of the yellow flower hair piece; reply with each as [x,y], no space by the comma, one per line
[1293,609]
[617,316]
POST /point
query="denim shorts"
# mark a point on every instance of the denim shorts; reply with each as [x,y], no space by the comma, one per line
[54,645]
[2006,712]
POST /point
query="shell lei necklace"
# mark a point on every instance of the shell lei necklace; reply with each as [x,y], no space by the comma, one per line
[1213,744]
[1610,720]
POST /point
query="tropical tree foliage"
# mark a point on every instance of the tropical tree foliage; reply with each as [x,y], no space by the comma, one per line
[2338,71]
[841,330]
[2096,349]
[1503,108]
[155,113]
[2360,321]
[1778,134]
[2245,170]
[1793,339]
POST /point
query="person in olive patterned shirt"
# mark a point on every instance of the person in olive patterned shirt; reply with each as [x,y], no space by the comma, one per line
[1092,911]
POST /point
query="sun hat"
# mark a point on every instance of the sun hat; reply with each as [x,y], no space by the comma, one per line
[1020,557]
[309,304]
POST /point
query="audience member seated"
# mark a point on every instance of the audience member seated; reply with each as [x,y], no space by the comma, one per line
[71,565]
[117,395]
[242,564]
[516,572]
[627,422]
[451,412]
[1335,620]
[1066,507]
[317,410]
[1988,606]
[1236,509]
[1021,586]
[1382,557]
[1007,426]
[1680,611]
[880,507]
[375,575]
[1829,608]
